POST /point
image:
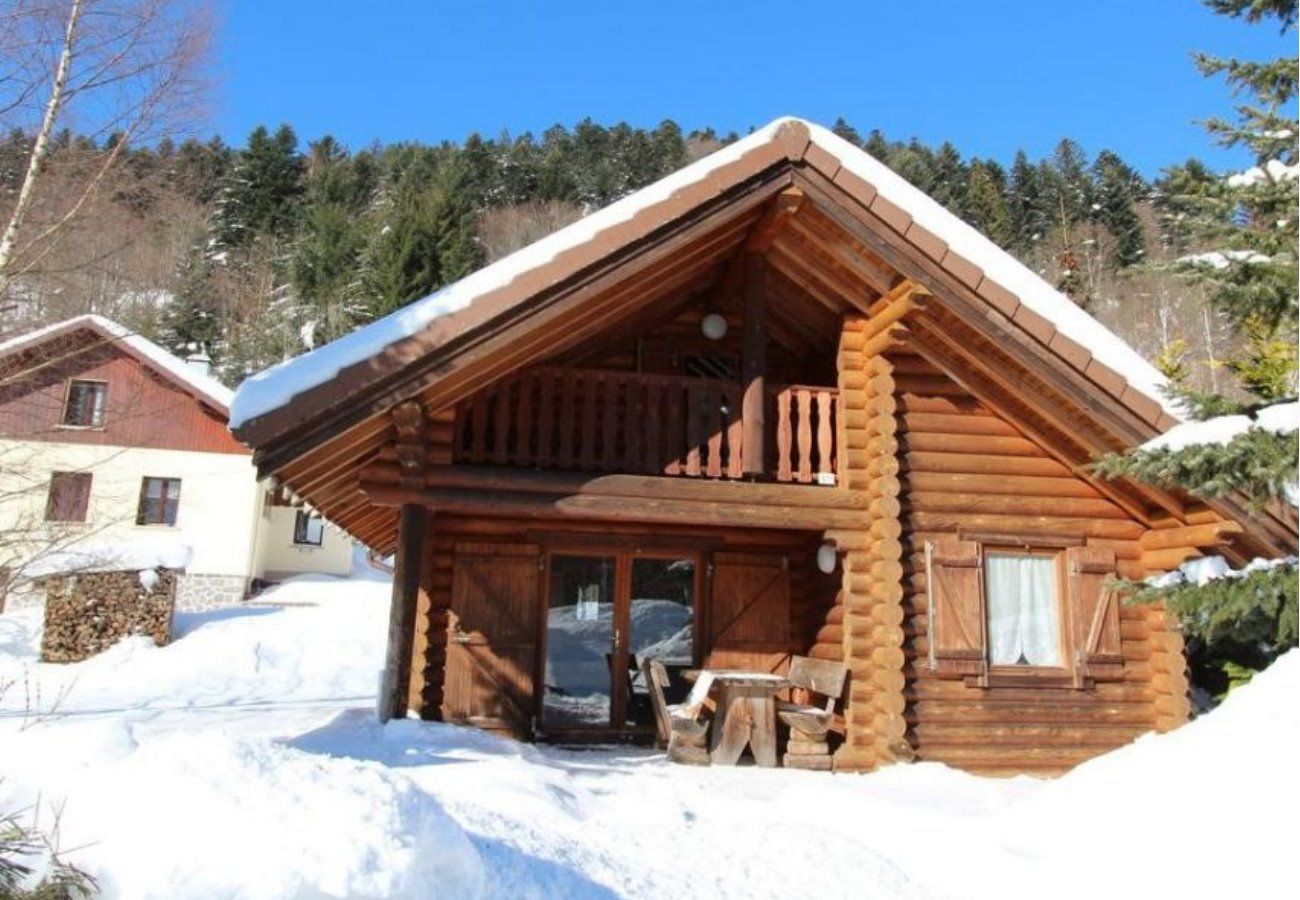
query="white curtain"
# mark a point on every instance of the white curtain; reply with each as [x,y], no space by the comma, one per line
[1021,596]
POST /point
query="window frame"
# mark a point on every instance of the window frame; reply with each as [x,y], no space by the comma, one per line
[1012,674]
[303,516]
[88,478]
[67,399]
[164,499]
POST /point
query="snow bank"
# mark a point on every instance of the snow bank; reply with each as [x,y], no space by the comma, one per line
[107,555]
[1199,812]
[1280,418]
[313,638]
[244,761]
[212,815]
[276,386]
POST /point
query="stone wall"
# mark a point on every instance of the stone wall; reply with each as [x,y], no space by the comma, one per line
[197,593]
[88,612]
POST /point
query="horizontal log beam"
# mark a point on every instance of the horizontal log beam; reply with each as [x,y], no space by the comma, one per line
[633,487]
[615,508]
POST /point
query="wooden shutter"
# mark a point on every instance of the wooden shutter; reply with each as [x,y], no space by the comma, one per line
[955,584]
[69,497]
[749,616]
[492,636]
[1094,614]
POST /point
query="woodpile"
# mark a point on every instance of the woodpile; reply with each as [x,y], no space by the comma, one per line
[89,612]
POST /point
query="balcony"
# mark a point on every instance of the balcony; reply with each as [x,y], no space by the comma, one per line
[618,422]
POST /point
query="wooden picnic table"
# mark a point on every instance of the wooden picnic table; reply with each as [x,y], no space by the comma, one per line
[745,715]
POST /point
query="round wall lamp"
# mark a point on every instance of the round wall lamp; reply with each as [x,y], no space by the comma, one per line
[827,557]
[714,326]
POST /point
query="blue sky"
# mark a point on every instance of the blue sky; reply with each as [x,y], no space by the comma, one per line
[989,75]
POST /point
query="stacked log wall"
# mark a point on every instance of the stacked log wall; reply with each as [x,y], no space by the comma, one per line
[966,470]
[870,612]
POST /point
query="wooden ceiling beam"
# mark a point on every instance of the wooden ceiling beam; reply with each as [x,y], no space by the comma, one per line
[815,228]
[779,213]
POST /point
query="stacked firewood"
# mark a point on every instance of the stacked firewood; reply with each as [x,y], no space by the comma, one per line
[89,612]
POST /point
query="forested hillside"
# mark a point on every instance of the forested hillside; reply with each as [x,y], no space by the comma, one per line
[256,253]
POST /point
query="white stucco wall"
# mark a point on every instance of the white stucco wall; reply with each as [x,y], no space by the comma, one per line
[216,516]
[280,556]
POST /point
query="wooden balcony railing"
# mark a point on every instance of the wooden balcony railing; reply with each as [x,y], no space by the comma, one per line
[594,420]
[805,429]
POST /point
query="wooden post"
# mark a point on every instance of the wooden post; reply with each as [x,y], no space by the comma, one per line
[754,352]
[393,698]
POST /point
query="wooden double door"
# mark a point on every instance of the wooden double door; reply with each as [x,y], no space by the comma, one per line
[552,641]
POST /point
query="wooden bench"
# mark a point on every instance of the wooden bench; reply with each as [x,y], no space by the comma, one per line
[679,726]
[809,724]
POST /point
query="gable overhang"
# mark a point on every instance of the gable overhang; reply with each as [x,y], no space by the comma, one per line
[974,328]
[107,335]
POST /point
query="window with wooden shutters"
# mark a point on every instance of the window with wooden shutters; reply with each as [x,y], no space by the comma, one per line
[956,608]
[69,497]
[1094,614]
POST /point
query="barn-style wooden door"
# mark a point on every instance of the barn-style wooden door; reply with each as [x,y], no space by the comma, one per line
[492,638]
[749,615]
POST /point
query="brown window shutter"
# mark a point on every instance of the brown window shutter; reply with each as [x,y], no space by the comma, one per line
[69,497]
[1094,614]
[955,584]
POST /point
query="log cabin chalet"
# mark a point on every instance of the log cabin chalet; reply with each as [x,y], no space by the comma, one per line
[778,403]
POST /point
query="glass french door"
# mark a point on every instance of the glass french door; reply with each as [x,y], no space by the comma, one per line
[606,615]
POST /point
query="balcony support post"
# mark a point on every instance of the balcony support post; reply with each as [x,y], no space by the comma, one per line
[753,410]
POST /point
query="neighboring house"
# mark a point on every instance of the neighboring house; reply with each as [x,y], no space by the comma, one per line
[108,443]
[780,402]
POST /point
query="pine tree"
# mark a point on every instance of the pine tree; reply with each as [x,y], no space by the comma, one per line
[986,206]
[1118,189]
[1249,224]
[847,131]
[332,235]
[1027,205]
[191,322]
[949,184]
[259,194]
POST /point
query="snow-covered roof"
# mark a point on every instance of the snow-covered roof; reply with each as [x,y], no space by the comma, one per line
[166,363]
[277,386]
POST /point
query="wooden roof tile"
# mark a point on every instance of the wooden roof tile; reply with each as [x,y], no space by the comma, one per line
[1035,324]
[929,243]
[965,270]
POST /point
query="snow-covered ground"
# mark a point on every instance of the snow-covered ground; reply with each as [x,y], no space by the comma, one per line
[243,761]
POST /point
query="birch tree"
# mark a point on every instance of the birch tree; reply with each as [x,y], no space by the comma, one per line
[114,72]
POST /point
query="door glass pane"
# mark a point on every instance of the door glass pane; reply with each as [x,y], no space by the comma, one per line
[661,624]
[579,641]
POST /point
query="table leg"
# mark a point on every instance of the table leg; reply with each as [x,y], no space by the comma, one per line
[763,738]
[731,728]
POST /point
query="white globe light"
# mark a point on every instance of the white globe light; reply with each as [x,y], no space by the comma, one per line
[827,558]
[714,326]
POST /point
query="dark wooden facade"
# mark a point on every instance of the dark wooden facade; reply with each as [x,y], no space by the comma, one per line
[874,391]
[144,407]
